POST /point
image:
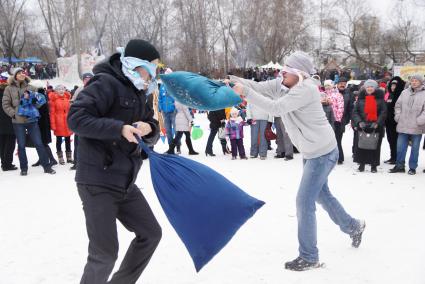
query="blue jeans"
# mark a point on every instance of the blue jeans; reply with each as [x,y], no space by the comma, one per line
[34,133]
[402,144]
[170,125]
[314,188]
[257,130]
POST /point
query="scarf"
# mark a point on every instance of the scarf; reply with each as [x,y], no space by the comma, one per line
[371,108]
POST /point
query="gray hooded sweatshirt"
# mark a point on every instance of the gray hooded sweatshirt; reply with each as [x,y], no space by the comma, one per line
[300,109]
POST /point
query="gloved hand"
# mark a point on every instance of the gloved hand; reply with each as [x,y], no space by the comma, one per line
[249,121]
[362,125]
[33,101]
[223,124]
[191,123]
[374,125]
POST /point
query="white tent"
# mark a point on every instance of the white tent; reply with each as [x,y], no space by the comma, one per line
[277,66]
[269,65]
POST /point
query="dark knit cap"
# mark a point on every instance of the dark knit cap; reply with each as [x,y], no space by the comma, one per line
[342,79]
[141,49]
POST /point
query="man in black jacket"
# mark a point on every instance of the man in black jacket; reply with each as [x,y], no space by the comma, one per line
[7,137]
[109,160]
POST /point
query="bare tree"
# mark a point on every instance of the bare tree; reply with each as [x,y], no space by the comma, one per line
[12,31]
[57,22]
[358,29]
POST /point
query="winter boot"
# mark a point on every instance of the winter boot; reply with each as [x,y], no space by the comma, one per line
[373,169]
[171,149]
[49,170]
[60,158]
[398,169]
[300,264]
[69,159]
[356,237]
[224,146]
[36,164]
[361,168]
[52,159]
[190,147]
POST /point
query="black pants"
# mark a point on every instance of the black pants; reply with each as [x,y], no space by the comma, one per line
[59,143]
[392,137]
[339,132]
[7,147]
[75,148]
[209,148]
[102,207]
[237,145]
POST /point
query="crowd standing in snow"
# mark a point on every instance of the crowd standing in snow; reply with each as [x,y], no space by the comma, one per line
[309,117]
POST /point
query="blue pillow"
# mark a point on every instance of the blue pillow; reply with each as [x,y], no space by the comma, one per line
[199,92]
[204,208]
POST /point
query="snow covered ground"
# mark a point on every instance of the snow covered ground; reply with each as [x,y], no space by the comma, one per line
[43,238]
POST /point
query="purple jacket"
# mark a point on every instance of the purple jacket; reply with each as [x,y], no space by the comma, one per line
[234,128]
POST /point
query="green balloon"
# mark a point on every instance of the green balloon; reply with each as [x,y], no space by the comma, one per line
[197,132]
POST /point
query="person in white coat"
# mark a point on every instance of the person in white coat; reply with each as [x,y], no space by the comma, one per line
[184,122]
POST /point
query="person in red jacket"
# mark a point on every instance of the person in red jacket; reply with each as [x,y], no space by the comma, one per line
[59,103]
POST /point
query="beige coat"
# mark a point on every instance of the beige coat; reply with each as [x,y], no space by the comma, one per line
[12,97]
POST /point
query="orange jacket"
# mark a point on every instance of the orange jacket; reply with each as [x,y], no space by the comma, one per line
[59,108]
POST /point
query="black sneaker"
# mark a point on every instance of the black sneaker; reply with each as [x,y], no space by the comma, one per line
[340,162]
[300,264]
[279,156]
[9,168]
[397,169]
[24,172]
[36,164]
[390,162]
[49,170]
[412,172]
[356,237]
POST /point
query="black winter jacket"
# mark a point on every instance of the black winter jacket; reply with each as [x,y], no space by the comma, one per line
[103,107]
[359,114]
[392,99]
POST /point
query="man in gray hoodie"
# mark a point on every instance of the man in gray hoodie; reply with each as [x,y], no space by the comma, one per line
[298,103]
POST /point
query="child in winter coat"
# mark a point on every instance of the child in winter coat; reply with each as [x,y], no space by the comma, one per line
[184,122]
[59,104]
[29,104]
[234,130]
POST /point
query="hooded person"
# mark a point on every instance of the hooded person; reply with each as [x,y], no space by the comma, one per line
[114,106]
[297,102]
[11,102]
[395,87]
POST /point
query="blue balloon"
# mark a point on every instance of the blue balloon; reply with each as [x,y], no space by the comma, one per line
[199,92]
[204,208]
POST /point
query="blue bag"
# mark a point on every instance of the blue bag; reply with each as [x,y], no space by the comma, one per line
[204,208]
[199,92]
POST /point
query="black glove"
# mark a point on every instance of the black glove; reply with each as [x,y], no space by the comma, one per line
[21,103]
[223,124]
[33,101]
[362,125]
[249,121]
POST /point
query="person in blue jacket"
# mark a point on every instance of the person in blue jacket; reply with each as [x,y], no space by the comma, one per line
[168,109]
